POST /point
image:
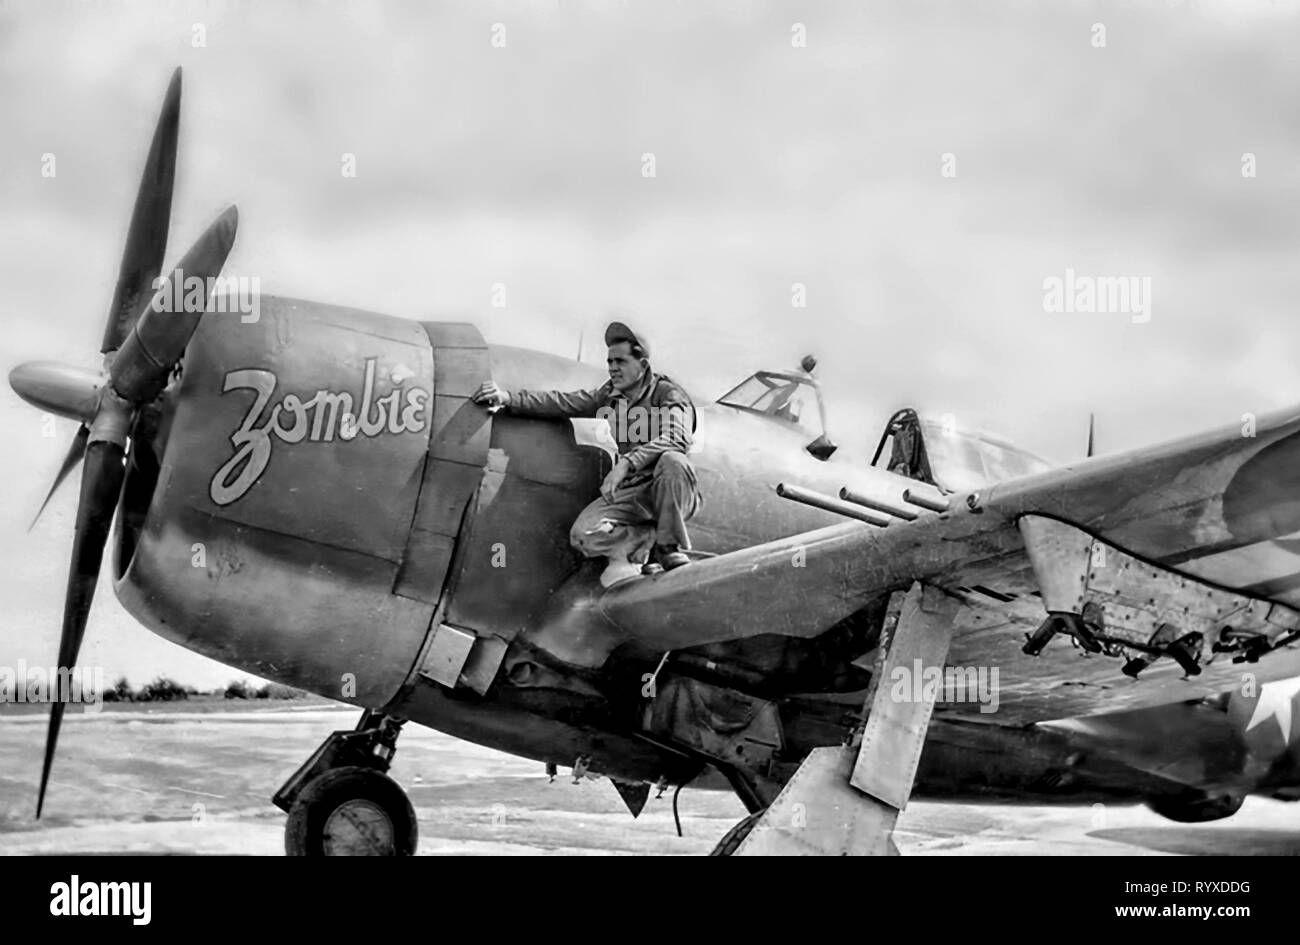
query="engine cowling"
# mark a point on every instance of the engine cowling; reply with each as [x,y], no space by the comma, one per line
[314,466]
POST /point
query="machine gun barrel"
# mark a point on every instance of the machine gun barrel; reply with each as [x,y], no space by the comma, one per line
[880,505]
[925,501]
[830,504]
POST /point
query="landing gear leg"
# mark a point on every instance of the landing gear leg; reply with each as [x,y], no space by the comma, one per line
[846,800]
[341,802]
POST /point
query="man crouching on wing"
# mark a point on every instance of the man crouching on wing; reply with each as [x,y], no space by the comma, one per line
[652,491]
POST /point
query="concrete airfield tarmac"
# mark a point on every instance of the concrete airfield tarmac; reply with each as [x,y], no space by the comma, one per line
[198,780]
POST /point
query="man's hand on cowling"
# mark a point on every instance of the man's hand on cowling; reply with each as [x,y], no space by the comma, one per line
[491,395]
[614,479]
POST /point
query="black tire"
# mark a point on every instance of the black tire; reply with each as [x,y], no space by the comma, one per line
[1197,809]
[735,836]
[351,811]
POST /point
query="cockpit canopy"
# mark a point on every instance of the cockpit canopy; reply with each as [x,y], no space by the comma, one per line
[954,460]
[789,397]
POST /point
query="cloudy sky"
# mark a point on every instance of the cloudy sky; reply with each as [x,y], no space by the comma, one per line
[775,164]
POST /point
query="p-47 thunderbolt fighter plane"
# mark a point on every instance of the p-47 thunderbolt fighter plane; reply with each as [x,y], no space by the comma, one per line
[373,535]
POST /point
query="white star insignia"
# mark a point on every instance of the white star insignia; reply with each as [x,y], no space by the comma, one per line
[1275,700]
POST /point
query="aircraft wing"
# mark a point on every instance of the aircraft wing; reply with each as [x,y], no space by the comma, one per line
[1167,542]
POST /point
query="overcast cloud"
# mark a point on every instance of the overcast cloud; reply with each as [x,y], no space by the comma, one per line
[775,165]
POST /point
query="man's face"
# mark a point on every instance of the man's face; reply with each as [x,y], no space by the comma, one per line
[624,370]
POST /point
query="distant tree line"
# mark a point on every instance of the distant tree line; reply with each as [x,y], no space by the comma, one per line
[240,689]
[166,689]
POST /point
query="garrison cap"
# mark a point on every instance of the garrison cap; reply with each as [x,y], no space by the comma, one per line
[617,332]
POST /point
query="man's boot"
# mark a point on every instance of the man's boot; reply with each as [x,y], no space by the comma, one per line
[666,558]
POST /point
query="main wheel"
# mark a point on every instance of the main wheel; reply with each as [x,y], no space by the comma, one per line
[1197,809]
[351,811]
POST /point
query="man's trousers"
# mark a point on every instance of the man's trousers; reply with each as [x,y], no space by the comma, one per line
[651,512]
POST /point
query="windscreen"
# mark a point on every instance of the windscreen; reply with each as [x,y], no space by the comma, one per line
[779,396]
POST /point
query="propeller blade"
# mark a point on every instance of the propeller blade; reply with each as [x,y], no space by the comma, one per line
[158,339]
[146,238]
[100,487]
[75,452]
[1091,418]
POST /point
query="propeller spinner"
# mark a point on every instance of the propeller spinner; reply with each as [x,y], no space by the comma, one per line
[143,341]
